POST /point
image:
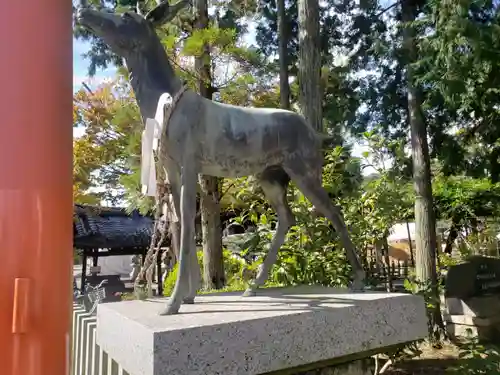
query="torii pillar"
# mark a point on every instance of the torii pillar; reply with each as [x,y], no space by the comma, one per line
[35,187]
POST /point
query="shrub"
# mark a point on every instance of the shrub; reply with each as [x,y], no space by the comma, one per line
[234,268]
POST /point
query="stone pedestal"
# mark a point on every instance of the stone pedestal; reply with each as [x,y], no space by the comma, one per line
[479,316]
[291,330]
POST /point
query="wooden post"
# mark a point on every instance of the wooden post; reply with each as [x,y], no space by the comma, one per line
[159,278]
[36,207]
[385,246]
[439,247]
[83,277]
[412,258]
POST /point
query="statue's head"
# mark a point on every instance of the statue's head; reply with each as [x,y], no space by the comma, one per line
[129,32]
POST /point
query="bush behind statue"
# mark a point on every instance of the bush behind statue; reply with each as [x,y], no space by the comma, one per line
[236,271]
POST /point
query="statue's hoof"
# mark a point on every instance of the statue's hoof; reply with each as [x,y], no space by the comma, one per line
[188,300]
[250,293]
[169,310]
[357,286]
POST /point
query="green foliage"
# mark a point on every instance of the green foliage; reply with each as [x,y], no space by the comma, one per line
[312,253]
[372,209]
[341,172]
[431,293]
[234,268]
[107,153]
[463,199]
[224,39]
[170,280]
[476,358]
[459,64]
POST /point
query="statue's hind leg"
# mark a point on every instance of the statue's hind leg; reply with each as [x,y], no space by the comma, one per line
[274,182]
[306,177]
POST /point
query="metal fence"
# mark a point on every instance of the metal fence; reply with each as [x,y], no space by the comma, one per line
[87,358]
[379,274]
[398,270]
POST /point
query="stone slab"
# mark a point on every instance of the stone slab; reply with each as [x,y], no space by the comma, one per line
[488,333]
[481,307]
[279,329]
[472,320]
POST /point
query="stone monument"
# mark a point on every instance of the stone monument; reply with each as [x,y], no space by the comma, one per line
[471,301]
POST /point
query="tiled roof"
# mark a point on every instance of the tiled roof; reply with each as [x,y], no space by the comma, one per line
[110,227]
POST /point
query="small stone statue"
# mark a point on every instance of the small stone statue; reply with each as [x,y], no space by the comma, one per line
[136,267]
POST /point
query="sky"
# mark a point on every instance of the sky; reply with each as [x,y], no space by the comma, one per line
[80,73]
[80,67]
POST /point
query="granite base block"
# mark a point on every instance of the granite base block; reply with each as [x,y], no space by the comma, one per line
[477,307]
[459,331]
[280,329]
[464,326]
[472,320]
[477,317]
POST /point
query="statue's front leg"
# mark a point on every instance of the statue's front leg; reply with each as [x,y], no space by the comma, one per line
[187,243]
[174,177]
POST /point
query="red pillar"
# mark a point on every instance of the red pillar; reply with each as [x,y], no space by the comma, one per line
[35,186]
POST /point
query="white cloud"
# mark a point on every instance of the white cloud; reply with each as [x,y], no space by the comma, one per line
[78,131]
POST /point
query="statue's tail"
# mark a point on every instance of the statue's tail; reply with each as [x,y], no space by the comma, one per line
[325,140]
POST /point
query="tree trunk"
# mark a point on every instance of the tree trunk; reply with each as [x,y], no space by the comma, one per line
[495,165]
[309,74]
[213,264]
[425,222]
[283,56]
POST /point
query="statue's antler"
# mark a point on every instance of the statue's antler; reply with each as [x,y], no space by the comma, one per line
[164,13]
[138,8]
[85,4]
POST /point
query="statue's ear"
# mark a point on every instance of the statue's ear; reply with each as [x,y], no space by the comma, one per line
[164,13]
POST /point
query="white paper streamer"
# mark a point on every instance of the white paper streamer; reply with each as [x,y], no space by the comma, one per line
[150,141]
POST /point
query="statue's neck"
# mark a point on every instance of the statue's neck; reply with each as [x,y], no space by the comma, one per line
[151,75]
